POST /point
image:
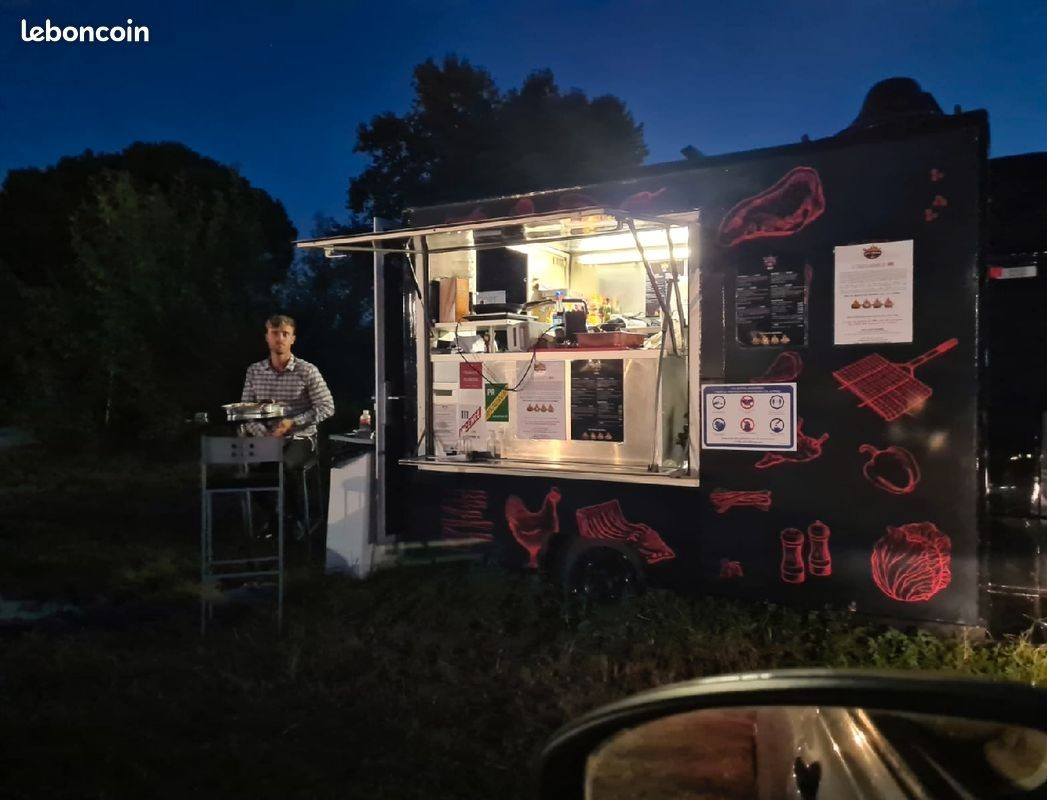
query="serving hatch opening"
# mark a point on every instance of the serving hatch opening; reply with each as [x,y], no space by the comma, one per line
[556,343]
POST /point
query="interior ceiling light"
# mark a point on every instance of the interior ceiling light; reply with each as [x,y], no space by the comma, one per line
[621,241]
[630,256]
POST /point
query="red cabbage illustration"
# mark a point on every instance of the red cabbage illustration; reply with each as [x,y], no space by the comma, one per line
[911,563]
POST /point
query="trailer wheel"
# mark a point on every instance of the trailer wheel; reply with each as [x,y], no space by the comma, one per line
[600,572]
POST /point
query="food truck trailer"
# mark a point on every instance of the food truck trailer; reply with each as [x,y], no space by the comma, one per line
[757,375]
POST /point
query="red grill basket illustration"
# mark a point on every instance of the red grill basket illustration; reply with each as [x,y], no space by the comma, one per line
[887,388]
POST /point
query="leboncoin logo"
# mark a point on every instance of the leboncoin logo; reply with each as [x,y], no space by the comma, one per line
[49,32]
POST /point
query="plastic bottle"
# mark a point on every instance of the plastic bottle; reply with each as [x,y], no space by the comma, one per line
[365,420]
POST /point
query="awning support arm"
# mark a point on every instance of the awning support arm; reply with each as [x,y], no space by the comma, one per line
[667,314]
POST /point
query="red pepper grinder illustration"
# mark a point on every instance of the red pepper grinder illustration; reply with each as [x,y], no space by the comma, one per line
[792,556]
[819,561]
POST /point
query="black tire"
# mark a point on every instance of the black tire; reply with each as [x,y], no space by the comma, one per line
[595,572]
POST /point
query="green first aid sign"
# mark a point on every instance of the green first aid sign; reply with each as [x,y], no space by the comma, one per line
[496,402]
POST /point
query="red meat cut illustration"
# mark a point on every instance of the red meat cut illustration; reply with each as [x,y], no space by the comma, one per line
[887,388]
[789,206]
[532,529]
[911,563]
[893,470]
[464,514]
[807,449]
[785,368]
[606,521]
[730,569]
[724,500]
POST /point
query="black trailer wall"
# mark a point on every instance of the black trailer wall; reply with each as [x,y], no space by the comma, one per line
[901,500]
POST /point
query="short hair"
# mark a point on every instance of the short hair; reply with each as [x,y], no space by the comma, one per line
[279,320]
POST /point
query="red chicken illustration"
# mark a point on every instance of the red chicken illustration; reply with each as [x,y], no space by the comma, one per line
[532,529]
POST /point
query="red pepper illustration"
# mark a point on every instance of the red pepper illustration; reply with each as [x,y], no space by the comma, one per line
[808,449]
[894,470]
[911,563]
[789,206]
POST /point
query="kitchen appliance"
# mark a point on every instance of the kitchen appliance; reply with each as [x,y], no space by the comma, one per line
[610,339]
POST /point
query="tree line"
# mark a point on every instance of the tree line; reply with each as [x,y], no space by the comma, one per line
[136,282]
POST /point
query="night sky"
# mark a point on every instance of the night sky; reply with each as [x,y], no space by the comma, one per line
[278,88]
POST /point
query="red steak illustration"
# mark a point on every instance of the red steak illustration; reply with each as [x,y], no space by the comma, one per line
[532,529]
[606,521]
[789,206]
[785,369]
[911,563]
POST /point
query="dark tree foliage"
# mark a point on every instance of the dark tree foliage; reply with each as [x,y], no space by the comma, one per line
[464,138]
[137,287]
[331,299]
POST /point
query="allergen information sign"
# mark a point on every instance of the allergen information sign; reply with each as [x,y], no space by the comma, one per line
[747,416]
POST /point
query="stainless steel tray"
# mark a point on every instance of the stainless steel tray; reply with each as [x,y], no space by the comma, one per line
[241,412]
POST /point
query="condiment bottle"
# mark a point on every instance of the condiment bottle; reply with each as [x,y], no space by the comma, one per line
[365,420]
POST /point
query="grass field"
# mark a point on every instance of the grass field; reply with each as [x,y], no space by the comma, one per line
[426,681]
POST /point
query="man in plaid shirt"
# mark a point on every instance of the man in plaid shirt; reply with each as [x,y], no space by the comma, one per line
[283,378]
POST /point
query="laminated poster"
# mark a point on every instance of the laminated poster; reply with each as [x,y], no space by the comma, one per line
[598,400]
[874,293]
[541,401]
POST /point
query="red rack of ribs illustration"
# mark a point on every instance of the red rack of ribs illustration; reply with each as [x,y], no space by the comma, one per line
[785,368]
[464,514]
[894,470]
[819,560]
[606,521]
[730,569]
[532,529]
[887,388]
[723,500]
[789,206]
[911,563]
[807,449]
[792,570]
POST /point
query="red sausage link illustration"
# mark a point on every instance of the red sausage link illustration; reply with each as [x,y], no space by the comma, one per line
[724,500]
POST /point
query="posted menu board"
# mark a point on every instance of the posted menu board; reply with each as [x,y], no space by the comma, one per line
[598,400]
[540,400]
[770,303]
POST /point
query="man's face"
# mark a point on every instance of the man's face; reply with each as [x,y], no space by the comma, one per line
[279,339]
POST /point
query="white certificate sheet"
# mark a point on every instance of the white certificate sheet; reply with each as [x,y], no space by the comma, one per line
[541,401]
[874,293]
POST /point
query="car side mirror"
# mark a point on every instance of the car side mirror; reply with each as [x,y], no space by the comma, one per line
[808,735]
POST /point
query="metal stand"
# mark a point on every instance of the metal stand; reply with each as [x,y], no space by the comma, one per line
[232,451]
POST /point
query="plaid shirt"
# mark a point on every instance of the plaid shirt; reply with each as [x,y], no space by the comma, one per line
[300,386]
